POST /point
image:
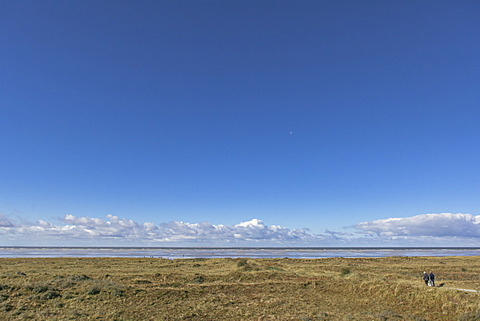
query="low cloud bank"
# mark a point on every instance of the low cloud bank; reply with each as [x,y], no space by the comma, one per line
[114,228]
[444,229]
[425,225]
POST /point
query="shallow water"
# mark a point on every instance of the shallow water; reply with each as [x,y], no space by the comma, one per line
[175,253]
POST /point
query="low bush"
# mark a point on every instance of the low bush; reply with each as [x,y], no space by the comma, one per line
[345,271]
[94,290]
[242,262]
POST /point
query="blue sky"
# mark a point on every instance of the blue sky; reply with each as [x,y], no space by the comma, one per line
[239,123]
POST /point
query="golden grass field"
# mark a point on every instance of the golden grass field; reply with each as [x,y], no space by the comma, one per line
[238,289]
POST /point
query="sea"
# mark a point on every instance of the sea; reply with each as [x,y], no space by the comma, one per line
[240,252]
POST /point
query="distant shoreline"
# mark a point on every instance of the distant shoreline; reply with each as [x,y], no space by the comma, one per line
[234,252]
[241,248]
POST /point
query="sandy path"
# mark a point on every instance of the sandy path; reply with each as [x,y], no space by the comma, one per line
[466,290]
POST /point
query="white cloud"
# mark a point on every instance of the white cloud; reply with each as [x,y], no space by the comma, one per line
[443,229]
[425,225]
[74,228]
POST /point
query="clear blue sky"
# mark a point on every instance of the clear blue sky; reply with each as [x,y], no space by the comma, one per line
[302,114]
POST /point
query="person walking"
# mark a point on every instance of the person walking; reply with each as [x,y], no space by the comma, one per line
[432,279]
[426,278]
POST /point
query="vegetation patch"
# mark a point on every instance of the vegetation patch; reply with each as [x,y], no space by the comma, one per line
[94,290]
[242,263]
[79,278]
[143,282]
[51,295]
[345,271]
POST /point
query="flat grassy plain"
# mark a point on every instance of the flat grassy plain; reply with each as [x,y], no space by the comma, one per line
[238,289]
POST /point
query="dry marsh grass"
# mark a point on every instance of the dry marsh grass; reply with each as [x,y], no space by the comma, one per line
[238,289]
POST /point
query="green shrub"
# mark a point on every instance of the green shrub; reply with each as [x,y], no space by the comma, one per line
[199,279]
[345,271]
[94,290]
[40,289]
[242,262]
[118,292]
[81,277]
[143,282]
[51,295]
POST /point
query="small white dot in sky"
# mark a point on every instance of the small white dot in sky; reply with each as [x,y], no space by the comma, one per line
[291,132]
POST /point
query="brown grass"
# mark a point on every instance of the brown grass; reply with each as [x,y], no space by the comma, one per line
[238,289]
